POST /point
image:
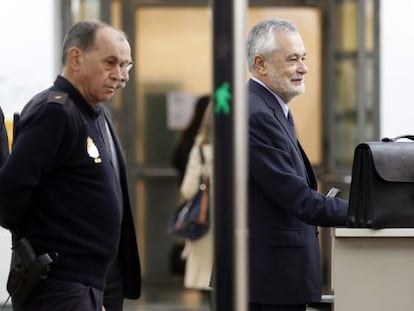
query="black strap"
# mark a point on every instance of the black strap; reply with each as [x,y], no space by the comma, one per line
[291,123]
[387,139]
[203,159]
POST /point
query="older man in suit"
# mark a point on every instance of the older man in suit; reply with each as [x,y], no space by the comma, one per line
[284,205]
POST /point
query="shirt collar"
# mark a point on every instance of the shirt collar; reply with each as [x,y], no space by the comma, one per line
[281,102]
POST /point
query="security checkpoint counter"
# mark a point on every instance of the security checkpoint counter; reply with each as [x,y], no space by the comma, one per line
[373,270]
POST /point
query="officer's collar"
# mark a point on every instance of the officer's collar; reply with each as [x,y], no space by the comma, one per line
[64,85]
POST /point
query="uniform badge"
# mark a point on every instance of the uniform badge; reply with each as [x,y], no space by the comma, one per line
[92,150]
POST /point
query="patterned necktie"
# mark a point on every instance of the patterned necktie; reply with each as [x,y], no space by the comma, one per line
[291,123]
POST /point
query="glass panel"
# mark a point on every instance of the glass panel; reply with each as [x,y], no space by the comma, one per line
[369,25]
[159,196]
[345,119]
[347,25]
[346,71]
[345,116]
[355,108]
[174,54]
[85,9]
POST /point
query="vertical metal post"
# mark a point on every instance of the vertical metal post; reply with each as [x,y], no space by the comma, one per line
[230,164]
[376,79]
[240,158]
[361,72]
[223,155]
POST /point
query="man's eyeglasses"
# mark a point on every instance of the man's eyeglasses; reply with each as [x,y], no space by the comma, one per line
[110,64]
[126,66]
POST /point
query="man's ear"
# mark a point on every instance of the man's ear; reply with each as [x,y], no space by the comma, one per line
[74,58]
[260,64]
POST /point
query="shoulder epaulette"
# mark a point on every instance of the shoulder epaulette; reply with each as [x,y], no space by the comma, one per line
[57,97]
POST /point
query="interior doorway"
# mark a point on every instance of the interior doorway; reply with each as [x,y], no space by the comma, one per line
[173,57]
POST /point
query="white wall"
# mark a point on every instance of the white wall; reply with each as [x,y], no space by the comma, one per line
[27,54]
[397,68]
[27,65]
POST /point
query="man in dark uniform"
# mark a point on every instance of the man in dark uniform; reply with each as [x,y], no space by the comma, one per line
[64,188]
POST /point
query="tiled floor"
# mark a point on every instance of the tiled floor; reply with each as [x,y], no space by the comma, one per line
[161,299]
[167,299]
[160,306]
[177,307]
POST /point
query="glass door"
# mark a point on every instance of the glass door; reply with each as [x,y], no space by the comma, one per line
[172,42]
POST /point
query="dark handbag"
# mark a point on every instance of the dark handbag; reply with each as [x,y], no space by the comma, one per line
[382,185]
[191,219]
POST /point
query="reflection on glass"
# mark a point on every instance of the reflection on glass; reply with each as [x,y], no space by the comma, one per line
[346,71]
[355,90]
[85,9]
[369,25]
[347,25]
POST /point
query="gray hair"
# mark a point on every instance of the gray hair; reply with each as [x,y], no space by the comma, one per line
[82,35]
[261,38]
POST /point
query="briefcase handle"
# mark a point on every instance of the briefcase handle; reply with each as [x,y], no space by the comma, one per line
[386,139]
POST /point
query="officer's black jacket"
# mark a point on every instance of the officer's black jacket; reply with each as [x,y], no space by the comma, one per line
[56,187]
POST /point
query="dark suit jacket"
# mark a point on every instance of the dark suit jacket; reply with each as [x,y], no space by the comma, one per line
[128,245]
[284,209]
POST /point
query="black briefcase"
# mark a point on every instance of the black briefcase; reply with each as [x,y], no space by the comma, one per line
[382,184]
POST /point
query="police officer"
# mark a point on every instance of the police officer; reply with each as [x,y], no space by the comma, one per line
[64,187]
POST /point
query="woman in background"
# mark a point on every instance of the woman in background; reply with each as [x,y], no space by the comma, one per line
[199,253]
[179,161]
[181,153]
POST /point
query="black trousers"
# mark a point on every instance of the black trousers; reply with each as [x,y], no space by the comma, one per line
[114,291]
[61,295]
[261,307]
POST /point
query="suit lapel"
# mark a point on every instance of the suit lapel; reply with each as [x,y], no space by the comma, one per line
[118,149]
[272,102]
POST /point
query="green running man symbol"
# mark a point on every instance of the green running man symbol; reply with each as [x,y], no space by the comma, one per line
[223,96]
